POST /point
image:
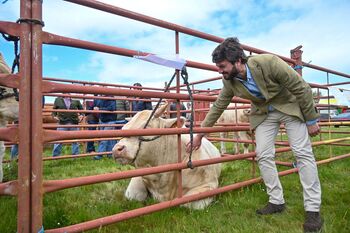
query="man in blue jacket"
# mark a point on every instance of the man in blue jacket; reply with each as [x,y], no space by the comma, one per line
[106,119]
[140,105]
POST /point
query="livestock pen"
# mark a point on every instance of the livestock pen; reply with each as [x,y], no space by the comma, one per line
[33,184]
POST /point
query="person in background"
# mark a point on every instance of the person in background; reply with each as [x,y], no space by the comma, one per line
[106,119]
[14,147]
[92,119]
[140,105]
[122,105]
[67,118]
[278,95]
[173,108]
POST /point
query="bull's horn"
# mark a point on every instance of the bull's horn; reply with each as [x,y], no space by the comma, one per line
[161,109]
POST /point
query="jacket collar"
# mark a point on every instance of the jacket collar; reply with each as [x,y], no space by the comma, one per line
[257,74]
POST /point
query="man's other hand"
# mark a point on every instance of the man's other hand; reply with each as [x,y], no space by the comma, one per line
[313,129]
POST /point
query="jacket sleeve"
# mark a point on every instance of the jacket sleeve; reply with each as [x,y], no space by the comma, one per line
[148,105]
[221,103]
[293,82]
[126,105]
[110,105]
[80,107]
[55,106]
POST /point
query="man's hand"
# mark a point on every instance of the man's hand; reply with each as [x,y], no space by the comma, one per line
[197,142]
[80,117]
[313,130]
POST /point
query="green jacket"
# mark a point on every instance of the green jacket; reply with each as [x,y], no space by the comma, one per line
[67,117]
[281,86]
[122,105]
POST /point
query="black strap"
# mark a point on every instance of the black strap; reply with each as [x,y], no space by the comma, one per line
[184,76]
[15,63]
[31,21]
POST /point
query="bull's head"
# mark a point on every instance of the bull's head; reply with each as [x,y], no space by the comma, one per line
[126,150]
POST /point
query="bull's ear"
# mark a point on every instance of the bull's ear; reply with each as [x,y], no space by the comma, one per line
[172,123]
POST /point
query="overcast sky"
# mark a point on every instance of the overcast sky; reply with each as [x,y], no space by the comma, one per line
[276,26]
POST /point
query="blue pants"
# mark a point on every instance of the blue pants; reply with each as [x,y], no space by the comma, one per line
[57,148]
[14,151]
[107,146]
[90,147]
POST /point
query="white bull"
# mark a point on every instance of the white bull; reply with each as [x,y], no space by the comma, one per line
[8,109]
[229,117]
[163,150]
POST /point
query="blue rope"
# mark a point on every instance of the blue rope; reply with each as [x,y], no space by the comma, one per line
[298,67]
[42,227]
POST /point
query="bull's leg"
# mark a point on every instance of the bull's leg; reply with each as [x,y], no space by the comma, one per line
[246,148]
[200,204]
[136,190]
[222,143]
[244,136]
[235,144]
[2,153]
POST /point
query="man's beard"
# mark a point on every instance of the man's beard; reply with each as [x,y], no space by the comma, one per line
[232,75]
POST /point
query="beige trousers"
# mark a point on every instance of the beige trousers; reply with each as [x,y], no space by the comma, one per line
[301,146]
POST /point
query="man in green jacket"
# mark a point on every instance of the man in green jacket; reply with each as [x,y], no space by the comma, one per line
[67,118]
[278,95]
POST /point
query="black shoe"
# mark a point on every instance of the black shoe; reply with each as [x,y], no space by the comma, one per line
[271,209]
[313,222]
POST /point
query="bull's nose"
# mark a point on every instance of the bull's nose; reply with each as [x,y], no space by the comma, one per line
[118,150]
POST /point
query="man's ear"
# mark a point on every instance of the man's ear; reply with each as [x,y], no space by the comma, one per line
[172,123]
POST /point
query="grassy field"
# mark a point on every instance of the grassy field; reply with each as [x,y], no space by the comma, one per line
[230,212]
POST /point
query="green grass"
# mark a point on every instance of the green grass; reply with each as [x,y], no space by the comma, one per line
[231,212]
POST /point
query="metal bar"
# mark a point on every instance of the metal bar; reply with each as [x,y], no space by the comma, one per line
[36,139]
[9,188]
[24,162]
[53,135]
[51,87]
[9,80]
[10,28]
[178,124]
[54,185]
[9,134]
[99,83]
[336,84]
[326,70]
[160,23]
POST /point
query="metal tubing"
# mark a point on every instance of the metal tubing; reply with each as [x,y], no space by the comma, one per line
[36,121]
[10,28]
[167,204]
[54,185]
[10,80]
[59,87]
[160,23]
[53,135]
[9,188]
[9,134]
[24,219]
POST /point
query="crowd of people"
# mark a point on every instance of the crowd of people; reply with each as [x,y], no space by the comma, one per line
[105,113]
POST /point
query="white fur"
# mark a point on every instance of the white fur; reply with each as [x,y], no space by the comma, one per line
[229,117]
[8,111]
[164,186]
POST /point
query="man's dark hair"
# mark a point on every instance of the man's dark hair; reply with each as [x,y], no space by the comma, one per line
[230,49]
